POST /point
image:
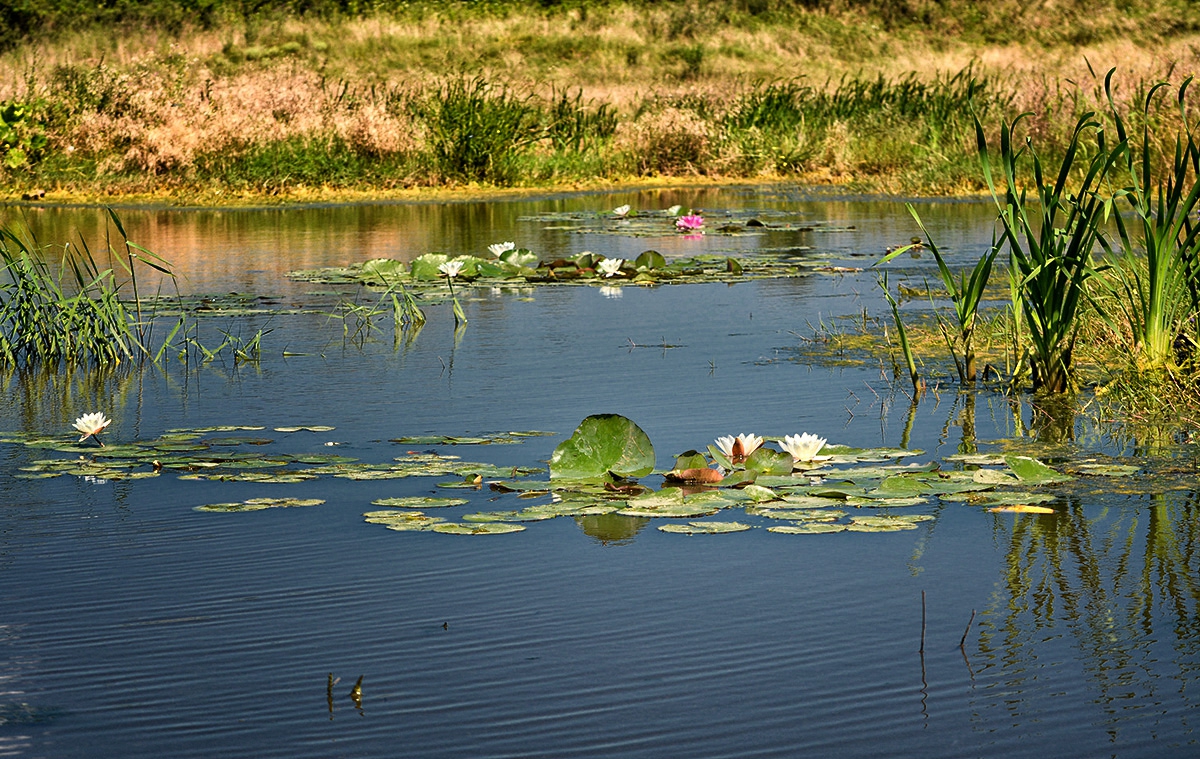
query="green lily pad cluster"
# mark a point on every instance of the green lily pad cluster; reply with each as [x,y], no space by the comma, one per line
[522,267]
[594,475]
[662,223]
[211,453]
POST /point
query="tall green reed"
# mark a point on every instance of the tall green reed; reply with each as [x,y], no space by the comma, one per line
[1050,239]
[72,312]
[1157,267]
[966,293]
[914,375]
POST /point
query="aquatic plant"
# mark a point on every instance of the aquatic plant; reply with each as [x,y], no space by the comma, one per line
[91,425]
[910,361]
[689,223]
[478,130]
[1050,240]
[452,269]
[803,447]
[501,247]
[621,211]
[73,312]
[602,445]
[737,449]
[1157,267]
[965,292]
[610,266]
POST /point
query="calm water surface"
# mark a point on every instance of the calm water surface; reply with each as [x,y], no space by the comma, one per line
[133,626]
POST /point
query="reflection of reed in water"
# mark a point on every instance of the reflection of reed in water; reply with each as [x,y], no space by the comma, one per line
[1124,580]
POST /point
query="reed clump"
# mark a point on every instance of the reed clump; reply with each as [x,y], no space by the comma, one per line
[73,312]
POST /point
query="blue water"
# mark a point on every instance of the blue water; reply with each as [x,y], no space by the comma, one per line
[133,626]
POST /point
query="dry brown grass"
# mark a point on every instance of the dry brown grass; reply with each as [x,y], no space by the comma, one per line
[217,91]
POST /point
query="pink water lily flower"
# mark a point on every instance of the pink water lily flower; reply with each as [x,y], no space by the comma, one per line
[690,222]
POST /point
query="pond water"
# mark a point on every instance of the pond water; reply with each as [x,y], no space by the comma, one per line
[133,625]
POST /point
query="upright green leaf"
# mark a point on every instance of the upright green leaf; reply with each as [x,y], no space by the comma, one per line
[601,444]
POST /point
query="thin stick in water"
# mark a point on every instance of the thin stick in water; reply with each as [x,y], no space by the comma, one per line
[922,649]
[962,643]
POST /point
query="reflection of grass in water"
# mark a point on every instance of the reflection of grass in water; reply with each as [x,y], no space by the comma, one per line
[1114,579]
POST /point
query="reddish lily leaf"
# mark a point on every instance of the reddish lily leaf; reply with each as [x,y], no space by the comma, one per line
[702,475]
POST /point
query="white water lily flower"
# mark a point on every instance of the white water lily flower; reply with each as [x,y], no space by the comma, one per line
[451,268]
[749,444]
[803,447]
[621,211]
[610,266]
[91,425]
[501,247]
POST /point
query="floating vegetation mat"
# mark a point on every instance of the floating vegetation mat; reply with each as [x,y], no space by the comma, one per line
[603,476]
[211,453]
[665,223]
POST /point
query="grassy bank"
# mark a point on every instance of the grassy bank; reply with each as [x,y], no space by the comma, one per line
[327,101]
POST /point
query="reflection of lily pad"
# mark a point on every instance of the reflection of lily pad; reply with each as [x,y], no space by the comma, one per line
[705,528]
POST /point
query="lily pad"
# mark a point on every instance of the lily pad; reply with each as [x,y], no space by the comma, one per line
[881,524]
[419,502]
[899,487]
[807,528]
[799,515]
[601,444]
[994,477]
[403,521]
[770,462]
[258,504]
[669,502]
[1109,470]
[1031,471]
[705,528]
[885,503]
[477,528]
